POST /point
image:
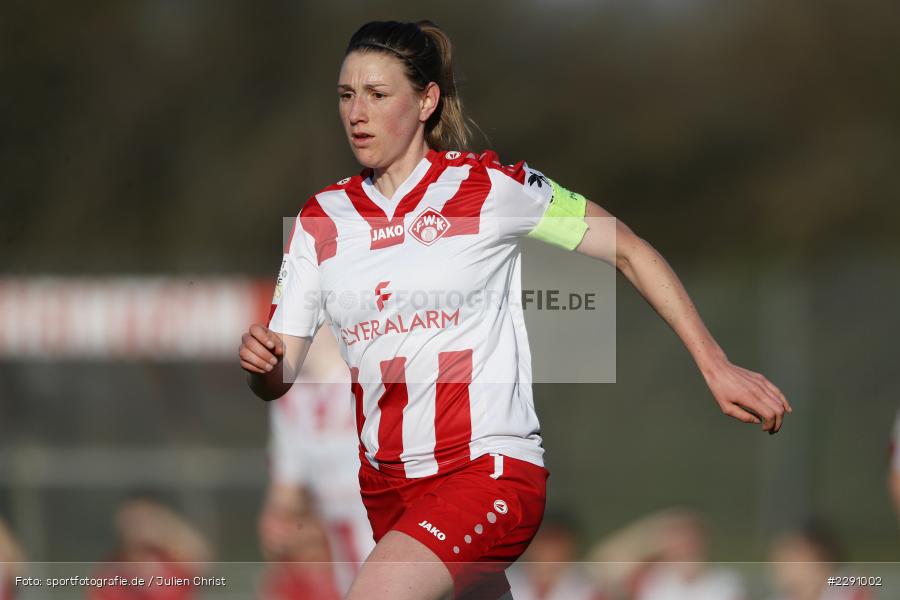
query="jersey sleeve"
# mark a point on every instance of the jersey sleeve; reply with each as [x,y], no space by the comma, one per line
[297,304]
[530,204]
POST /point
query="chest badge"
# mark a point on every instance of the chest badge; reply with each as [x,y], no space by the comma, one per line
[429,226]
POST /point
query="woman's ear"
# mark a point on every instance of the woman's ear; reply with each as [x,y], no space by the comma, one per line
[429,101]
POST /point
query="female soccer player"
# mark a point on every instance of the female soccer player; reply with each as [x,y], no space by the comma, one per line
[415,263]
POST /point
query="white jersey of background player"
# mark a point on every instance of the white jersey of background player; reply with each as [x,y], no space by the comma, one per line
[314,461]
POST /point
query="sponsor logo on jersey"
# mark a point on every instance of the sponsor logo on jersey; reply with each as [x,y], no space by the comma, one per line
[387,232]
[343,181]
[433,530]
[452,155]
[381,295]
[429,226]
[501,507]
[371,329]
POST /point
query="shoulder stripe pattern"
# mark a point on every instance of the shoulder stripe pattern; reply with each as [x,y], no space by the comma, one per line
[463,210]
[515,172]
[321,227]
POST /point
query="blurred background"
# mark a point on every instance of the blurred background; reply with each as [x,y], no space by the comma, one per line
[151,148]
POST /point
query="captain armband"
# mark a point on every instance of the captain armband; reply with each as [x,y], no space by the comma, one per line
[563,222]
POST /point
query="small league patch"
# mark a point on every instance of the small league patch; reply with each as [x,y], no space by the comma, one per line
[282,277]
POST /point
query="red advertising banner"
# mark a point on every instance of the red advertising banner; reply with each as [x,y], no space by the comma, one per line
[161,318]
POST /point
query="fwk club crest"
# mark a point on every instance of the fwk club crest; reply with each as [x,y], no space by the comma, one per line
[429,226]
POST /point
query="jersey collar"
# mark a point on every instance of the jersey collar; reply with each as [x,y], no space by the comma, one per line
[424,174]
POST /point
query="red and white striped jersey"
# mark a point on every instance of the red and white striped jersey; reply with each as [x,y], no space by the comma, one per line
[423,293]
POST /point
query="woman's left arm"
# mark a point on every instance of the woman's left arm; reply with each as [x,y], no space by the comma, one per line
[740,393]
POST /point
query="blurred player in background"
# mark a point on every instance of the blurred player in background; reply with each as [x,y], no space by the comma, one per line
[683,571]
[153,541]
[452,473]
[804,559]
[314,467]
[548,569]
[663,557]
[304,568]
[11,559]
[894,466]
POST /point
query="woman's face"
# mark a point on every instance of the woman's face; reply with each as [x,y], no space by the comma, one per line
[381,111]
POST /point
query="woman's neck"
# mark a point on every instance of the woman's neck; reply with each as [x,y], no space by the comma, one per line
[388,179]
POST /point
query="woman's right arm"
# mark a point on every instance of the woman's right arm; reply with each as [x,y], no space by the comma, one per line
[272,360]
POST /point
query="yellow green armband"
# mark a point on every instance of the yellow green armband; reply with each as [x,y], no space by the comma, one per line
[563,222]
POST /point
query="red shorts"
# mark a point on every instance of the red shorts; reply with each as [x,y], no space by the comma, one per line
[486,512]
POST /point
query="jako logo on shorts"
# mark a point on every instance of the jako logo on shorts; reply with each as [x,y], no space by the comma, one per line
[433,530]
[500,507]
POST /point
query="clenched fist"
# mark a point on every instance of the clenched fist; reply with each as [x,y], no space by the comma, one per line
[261,349]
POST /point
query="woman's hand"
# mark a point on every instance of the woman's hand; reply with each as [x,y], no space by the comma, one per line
[261,349]
[272,360]
[747,396]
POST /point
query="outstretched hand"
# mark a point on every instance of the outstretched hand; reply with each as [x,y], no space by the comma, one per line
[748,396]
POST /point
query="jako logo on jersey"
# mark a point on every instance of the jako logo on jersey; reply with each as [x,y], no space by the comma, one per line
[343,181]
[500,507]
[452,155]
[381,296]
[433,530]
[387,232]
[429,226]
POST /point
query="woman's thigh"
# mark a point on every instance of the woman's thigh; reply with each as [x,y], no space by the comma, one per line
[402,568]
[475,521]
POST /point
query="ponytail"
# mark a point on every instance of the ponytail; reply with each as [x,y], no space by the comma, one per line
[446,129]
